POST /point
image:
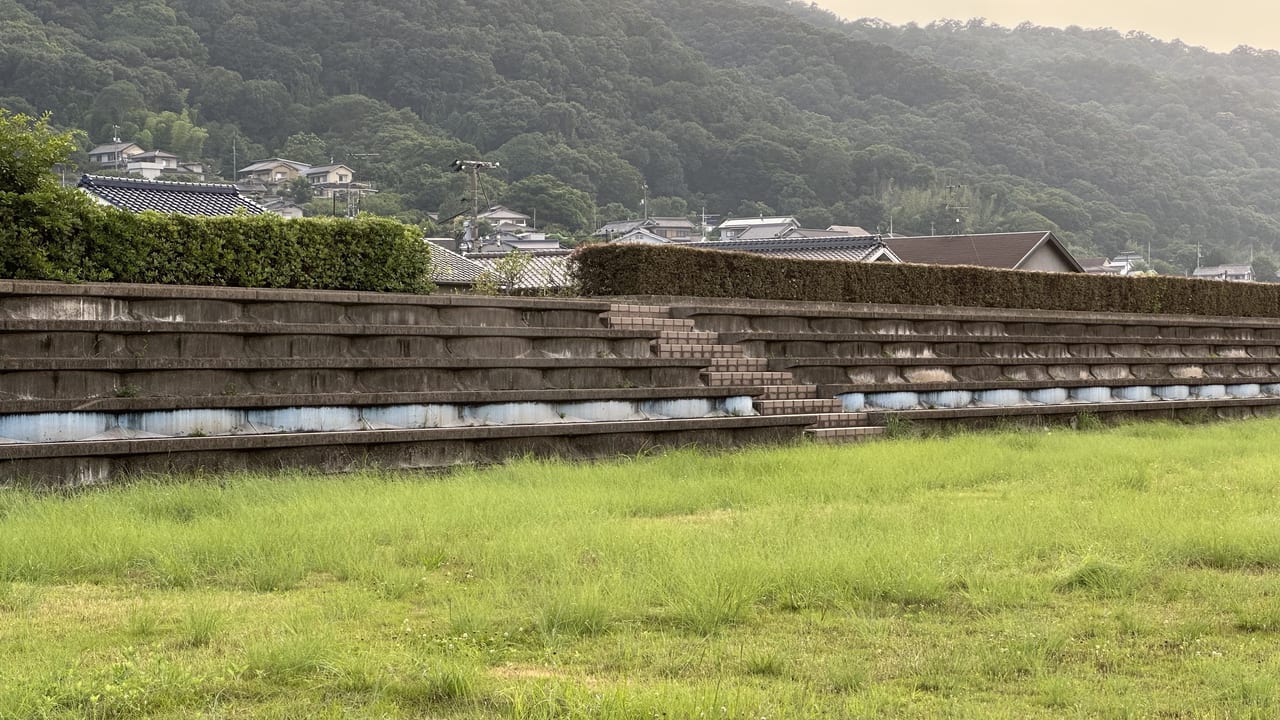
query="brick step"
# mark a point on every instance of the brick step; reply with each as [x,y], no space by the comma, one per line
[650,310]
[795,407]
[738,364]
[787,392]
[691,337]
[686,350]
[844,434]
[632,322]
[839,420]
[714,378]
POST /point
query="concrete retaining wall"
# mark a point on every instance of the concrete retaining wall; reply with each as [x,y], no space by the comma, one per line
[99,381]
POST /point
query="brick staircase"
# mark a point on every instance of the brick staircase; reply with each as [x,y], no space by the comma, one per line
[778,393]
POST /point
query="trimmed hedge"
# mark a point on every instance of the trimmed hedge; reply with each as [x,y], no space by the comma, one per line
[627,269]
[74,241]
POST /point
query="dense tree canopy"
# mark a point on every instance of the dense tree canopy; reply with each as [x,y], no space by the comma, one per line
[1117,142]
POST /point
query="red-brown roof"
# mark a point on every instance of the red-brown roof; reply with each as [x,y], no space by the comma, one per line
[998,250]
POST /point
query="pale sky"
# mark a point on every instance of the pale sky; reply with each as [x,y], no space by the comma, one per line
[1219,25]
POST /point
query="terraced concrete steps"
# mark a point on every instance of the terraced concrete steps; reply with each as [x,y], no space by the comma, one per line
[738,364]
[787,392]
[727,365]
[718,379]
[840,420]
[680,350]
[649,323]
[793,407]
[844,434]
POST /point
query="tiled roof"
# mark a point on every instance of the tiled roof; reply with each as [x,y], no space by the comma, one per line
[549,269]
[450,268]
[764,232]
[501,211]
[1213,271]
[143,157]
[619,227]
[112,148]
[999,250]
[848,249]
[162,196]
[640,235]
[324,169]
[267,164]
[672,222]
[853,230]
[749,222]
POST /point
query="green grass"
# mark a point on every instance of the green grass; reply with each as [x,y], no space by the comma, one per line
[1130,572]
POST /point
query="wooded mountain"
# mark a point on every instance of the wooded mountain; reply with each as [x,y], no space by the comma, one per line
[741,107]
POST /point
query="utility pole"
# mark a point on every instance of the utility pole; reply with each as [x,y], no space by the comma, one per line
[645,201]
[954,192]
[474,167]
[354,192]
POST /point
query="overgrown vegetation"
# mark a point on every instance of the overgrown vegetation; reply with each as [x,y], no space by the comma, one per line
[633,269]
[1120,573]
[48,232]
[1114,142]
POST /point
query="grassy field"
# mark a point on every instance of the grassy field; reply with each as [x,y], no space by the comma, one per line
[1114,573]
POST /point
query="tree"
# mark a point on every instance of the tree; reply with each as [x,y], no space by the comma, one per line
[306,147]
[553,201]
[29,148]
[1264,269]
[39,219]
[300,191]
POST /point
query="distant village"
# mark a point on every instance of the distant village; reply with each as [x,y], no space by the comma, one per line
[137,180]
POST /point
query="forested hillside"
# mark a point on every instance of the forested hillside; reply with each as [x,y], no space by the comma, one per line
[736,106]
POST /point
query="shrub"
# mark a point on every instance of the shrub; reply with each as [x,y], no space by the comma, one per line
[624,269]
[49,232]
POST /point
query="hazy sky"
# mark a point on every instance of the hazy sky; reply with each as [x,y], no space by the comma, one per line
[1219,25]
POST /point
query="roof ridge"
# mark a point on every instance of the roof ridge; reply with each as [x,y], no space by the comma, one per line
[142,183]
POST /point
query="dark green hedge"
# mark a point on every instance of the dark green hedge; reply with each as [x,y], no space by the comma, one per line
[62,237]
[663,270]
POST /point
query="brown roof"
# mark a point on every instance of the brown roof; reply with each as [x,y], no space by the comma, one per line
[998,250]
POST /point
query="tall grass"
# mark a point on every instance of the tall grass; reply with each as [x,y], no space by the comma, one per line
[536,589]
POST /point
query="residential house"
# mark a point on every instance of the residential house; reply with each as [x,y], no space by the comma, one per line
[732,228]
[1122,264]
[115,155]
[1009,251]
[283,208]
[641,235]
[135,195]
[151,165]
[847,249]
[329,180]
[667,228]
[505,242]
[498,215]
[272,173]
[1233,273]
